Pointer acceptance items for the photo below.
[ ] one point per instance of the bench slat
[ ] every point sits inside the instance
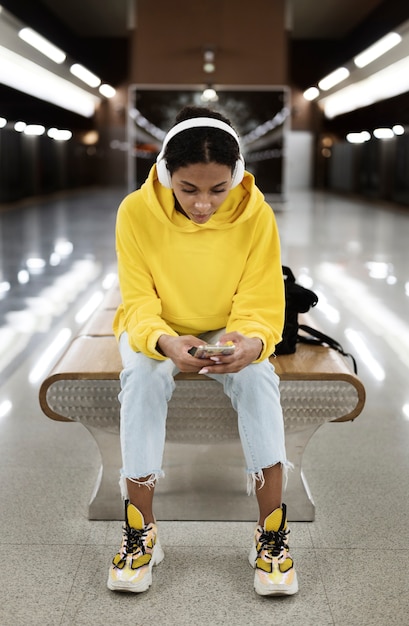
(98, 358)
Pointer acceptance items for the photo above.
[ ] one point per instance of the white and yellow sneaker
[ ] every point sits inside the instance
(275, 574)
(131, 568)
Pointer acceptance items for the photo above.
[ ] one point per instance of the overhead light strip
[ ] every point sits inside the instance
(41, 44)
(370, 54)
(379, 48)
(336, 77)
(387, 83)
(14, 36)
(24, 75)
(85, 75)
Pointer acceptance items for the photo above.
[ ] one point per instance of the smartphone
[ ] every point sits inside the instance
(205, 352)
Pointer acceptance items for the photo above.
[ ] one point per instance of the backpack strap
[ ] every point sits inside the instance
(318, 338)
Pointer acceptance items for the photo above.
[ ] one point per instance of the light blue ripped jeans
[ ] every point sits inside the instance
(146, 388)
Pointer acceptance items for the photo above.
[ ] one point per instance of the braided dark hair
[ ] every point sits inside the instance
(203, 144)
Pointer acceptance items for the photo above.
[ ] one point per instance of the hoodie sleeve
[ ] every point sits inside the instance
(141, 309)
(259, 303)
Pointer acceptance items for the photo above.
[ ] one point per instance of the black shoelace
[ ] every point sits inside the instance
(134, 539)
(273, 541)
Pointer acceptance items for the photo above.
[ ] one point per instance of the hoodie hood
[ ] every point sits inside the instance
(239, 205)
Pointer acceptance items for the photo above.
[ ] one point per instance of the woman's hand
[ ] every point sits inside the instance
(247, 350)
(177, 349)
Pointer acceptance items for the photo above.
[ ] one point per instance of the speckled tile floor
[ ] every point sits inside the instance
(352, 560)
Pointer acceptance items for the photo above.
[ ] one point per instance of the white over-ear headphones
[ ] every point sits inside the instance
(197, 122)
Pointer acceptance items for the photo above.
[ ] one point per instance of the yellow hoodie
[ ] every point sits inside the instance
(177, 277)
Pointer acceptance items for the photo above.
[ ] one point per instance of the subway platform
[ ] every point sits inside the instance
(57, 258)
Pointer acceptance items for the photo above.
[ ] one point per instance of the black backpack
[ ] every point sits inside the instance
(298, 299)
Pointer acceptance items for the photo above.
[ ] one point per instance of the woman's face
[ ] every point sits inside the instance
(201, 188)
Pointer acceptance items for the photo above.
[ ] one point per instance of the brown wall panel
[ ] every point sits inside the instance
(249, 39)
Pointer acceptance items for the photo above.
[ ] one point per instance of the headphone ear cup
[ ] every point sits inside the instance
(238, 172)
(163, 173)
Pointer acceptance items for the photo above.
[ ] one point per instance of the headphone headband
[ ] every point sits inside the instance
(197, 122)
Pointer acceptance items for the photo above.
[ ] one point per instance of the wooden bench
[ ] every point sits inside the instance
(317, 386)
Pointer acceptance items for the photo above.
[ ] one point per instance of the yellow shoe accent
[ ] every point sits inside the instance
(275, 521)
(135, 517)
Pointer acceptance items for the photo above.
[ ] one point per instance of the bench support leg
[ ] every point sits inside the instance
(301, 507)
(106, 502)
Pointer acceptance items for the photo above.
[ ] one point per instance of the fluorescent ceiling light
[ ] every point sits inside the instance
(209, 68)
(28, 77)
(377, 49)
(3, 122)
(42, 45)
(383, 133)
(311, 93)
(398, 129)
(209, 95)
(59, 135)
(107, 91)
(85, 75)
(386, 83)
(337, 76)
(35, 130)
(358, 137)
(20, 126)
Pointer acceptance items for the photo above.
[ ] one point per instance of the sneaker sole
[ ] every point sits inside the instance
(157, 557)
(277, 590)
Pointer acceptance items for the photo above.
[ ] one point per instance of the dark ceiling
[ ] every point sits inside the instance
(95, 32)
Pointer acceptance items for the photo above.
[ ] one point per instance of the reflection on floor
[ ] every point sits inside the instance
(55, 258)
